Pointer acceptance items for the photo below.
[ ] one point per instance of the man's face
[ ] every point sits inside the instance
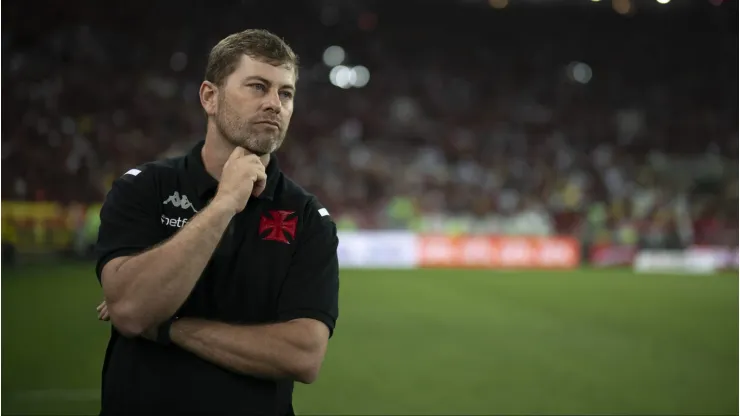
(255, 104)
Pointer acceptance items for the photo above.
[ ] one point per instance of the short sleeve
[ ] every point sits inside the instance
(129, 218)
(311, 289)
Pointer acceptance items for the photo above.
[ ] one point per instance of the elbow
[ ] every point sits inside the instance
(124, 319)
(307, 375)
(307, 368)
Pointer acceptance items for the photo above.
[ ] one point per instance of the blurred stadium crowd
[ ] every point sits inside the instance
(615, 128)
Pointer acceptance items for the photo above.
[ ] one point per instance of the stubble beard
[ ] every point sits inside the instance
(239, 132)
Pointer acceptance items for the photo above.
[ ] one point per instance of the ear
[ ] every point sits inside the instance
(209, 97)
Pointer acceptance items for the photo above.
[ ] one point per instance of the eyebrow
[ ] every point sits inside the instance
(267, 82)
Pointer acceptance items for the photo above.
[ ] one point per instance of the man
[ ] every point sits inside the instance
(219, 273)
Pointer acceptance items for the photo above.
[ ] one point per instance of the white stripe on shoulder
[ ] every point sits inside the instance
(133, 172)
(323, 212)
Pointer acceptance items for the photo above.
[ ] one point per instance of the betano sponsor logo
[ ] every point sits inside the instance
(178, 222)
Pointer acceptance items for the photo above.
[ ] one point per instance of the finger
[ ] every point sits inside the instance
(250, 163)
(256, 173)
(103, 315)
(101, 306)
(258, 189)
(237, 153)
(259, 185)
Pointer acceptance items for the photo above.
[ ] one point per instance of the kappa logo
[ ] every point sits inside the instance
(278, 225)
(179, 202)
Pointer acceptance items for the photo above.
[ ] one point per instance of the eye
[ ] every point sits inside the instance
(259, 87)
(286, 94)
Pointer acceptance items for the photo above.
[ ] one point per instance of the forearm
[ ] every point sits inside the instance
(287, 350)
(149, 288)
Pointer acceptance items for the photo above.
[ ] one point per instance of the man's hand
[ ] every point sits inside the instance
(103, 312)
(243, 175)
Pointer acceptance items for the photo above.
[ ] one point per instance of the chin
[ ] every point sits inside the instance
(263, 147)
(250, 145)
(259, 150)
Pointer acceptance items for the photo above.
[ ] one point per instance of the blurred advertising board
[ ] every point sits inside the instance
(607, 255)
(690, 261)
(402, 249)
(377, 249)
(724, 258)
(498, 252)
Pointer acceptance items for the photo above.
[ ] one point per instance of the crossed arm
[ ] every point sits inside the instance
(293, 349)
(289, 350)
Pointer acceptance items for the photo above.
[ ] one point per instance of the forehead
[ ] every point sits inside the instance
(249, 67)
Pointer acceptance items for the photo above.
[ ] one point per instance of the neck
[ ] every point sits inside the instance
(216, 152)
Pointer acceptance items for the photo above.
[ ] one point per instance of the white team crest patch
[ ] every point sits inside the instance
(323, 212)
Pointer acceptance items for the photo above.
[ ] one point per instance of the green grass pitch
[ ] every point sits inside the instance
(435, 342)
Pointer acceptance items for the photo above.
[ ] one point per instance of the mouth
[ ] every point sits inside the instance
(269, 123)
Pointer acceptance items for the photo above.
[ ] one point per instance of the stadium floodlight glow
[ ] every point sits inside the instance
(334, 55)
(580, 72)
(333, 75)
(595, 1)
(341, 76)
(352, 77)
(345, 77)
(663, 1)
(361, 76)
(622, 6)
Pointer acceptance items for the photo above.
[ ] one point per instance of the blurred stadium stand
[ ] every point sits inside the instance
(614, 122)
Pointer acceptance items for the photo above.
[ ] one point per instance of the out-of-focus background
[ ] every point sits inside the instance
(537, 199)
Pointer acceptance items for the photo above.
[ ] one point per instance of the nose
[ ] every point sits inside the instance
(272, 102)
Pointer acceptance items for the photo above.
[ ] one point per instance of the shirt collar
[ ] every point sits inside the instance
(206, 185)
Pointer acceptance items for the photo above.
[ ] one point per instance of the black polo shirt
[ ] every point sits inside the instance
(277, 261)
